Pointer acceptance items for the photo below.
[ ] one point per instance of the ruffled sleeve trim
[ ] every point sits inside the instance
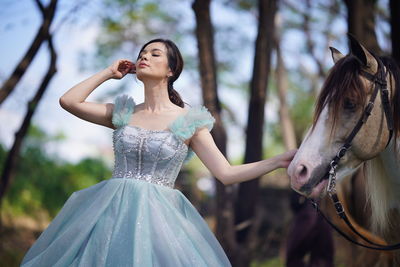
(184, 127)
(124, 106)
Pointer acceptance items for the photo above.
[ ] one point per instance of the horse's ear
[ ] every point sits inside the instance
(336, 55)
(362, 54)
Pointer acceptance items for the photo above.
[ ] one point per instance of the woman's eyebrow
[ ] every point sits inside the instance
(152, 50)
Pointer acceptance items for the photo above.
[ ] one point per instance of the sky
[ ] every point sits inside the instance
(18, 25)
(50, 116)
(21, 22)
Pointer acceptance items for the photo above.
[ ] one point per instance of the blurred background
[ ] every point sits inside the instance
(256, 65)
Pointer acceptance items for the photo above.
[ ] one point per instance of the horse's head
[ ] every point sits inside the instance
(341, 103)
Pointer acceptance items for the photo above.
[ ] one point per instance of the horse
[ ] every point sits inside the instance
(351, 192)
(342, 103)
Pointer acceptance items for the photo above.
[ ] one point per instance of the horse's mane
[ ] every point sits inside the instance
(394, 70)
(380, 194)
(344, 84)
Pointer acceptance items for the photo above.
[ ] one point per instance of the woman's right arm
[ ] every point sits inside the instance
(205, 148)
(74, 99)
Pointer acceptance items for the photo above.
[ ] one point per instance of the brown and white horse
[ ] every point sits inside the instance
(340, 105)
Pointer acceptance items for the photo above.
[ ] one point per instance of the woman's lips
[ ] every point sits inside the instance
(142, 65)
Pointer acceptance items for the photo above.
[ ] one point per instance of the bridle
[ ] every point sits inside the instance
(379, 80)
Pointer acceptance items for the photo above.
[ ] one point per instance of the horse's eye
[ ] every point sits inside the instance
(349, 105)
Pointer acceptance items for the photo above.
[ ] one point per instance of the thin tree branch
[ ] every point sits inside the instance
(9, 170)
(40, 6)
(42, 35)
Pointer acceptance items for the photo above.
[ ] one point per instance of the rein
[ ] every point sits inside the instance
(379, 80)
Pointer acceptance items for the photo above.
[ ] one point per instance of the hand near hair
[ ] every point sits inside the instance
(121, 67)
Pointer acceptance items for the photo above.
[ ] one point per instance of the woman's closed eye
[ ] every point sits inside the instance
(154, 55)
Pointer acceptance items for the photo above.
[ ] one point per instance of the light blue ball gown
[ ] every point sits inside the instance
(135, 218)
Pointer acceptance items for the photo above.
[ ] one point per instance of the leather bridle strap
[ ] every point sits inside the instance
(367, 112)
(379, 80)
(343, 216)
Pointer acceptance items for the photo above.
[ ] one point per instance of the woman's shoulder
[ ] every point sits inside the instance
(200, 116)
(124, 106)
(123, 99)
(191, 120)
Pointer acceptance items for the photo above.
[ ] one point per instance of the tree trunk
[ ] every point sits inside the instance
(307, 26)
(41, 36)
(310, 45)
(395, 29)
(208, 74)
(287, 129)
(11, 161)
(247, 202)
(361, 22)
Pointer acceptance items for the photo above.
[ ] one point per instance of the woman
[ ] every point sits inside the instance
(136, 218)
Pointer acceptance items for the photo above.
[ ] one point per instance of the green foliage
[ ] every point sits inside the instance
(43, 183)
(301, 104)
(128, 24)
(274, 262)
(3, 155)
(300, 101)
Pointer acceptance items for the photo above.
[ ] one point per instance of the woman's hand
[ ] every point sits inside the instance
(74, 100)
(121, 67)
(284, 159)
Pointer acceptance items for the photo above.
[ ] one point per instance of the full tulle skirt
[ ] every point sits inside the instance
(126, 222)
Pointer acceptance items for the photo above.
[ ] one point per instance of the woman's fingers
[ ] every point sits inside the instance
(132, 68)
(291, 153)
(126, 66)
(121, 67)
(287, 157)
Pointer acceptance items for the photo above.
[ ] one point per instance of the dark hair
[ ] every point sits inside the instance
(175, 63)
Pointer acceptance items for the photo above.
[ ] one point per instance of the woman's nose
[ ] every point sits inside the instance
(144, 57)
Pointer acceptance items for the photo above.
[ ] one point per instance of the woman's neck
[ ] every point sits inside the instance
(156, 98)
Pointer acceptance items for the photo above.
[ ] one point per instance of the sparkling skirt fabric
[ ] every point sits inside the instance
(127, 222)
(135, 218)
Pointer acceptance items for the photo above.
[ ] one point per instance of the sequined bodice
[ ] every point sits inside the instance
(153, 156)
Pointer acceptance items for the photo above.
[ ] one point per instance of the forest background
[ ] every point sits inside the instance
(256, 65)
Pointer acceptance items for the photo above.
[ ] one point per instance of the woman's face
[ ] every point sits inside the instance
(152, 63)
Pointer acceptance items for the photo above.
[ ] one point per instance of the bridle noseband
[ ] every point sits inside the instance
(379, 80)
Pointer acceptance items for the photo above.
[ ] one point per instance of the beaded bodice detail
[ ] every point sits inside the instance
(155, 156)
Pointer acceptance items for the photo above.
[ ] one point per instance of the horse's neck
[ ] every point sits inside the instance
(391, 162)
(383, 185)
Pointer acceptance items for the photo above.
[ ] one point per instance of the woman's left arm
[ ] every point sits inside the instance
(205, 148)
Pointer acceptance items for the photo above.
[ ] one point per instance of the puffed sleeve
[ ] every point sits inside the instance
(124, 105)
(186, 126)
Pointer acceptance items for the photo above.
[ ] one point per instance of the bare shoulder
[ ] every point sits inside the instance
(182, 111)
(139, 107)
